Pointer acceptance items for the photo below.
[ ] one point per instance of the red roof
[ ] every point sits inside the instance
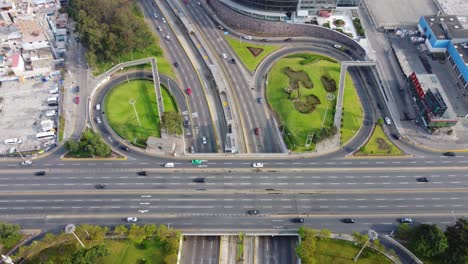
(15, 59)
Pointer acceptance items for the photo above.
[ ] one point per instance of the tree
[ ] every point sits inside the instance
(404, 231)
(325, 233)
(87, 255)
(8, 230)
(457, 238)
(137, 234)
(171, 122)
(429, 241)
(169, 259)
(305, 232)
(360, 238)
(120, 230)
(92, 233)
(72, 145)
(306, 250)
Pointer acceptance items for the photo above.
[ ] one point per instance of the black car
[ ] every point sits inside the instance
(142, 173)
(201, 180)
(395, 136)
(100, 186)
(297, 220)
(176, 64)
(220, 27)
(252, 212)
(124, 148)
(233, 61)
(348, 52)
(40, 173)
(77, 89)
(288, 39)
(348, 221)
(422, 179)
(449, 154)
(264, 40)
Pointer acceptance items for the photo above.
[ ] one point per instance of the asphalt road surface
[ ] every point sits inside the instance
(277, 249)
(200, 250)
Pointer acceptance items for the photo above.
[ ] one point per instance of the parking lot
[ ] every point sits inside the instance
(24, 106)
(399, 13)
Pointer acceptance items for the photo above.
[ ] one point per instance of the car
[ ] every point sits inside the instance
(40, 173)
(176, 64)
(199, 180)
(168, 37)
(100, 186)
(220, 27)
(197, 162)
(336, 46)
(163, 20)
(406, 220)
(257, 165)
(260, 100)
(257, 131)
(132, 219)
(449, 154)
(348, 220)
(388, 121)
(189, 91)
(186, 123)
(155, 16)
(26, 162)
(159, 28)
(77, 89)
(142, 173)
(252, 212)
(379, 106)
(248, 37)
(395, 136)
(54, 90)
(297, 220)
(98, 107)
(233, 61)
(422, 179)
(224, 55)
(124, 148)
(347, 51)
(204, 140)
(264, 40)
(98, 120)
(77, 100)
(288, 39)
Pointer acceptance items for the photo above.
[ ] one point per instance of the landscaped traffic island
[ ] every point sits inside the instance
(302, 91)
(132, 112)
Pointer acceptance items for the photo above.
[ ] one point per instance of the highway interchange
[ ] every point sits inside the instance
(321, 189)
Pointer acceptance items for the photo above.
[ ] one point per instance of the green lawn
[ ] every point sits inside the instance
(124, 251)
(9, 243)
(342, 252)
(352, 111)
(249, 60)
(299, 125)
(120, 252)
(379, 145)
(121, 115)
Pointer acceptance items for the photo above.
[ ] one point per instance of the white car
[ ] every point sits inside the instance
(132, 219)
(26, 162)
(224, 55)
(406, 220)
(388, 121)
(168, 37)
(155, 16)
(257, 165)
(337, 46)
(163, 20)
(204, 140)
(159, 28)
(98, 120)
(248, 37)
(98, 107)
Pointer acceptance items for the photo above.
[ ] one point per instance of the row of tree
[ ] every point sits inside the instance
(109, 28)
(90, 144)
(93, 237)
(308, 245)
(430, 241)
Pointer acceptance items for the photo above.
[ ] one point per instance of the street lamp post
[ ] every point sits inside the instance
(70, 229)
(372, 236)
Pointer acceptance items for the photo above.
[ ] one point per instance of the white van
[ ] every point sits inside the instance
(51, 113)
(169, 165)
(11, 141)
(98, 107)
(52, 99)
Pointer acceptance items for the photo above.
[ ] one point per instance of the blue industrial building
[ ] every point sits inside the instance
(445, 34)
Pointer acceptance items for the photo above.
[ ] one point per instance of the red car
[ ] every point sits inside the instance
(257, 131)
(189, 91)
(77, 100)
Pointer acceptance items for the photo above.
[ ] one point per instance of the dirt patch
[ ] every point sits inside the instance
(295, 77)
(308, 105)
(328, 83)
(382, 145)
(255, 51)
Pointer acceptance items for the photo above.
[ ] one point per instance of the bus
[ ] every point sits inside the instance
(45, 135)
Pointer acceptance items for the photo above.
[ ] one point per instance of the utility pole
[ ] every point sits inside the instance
(372, 236)
(70, 229)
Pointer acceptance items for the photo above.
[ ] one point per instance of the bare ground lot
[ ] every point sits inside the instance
(23, 107)
(399, 13)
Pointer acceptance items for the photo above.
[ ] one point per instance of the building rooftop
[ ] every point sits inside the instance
(431, 82)
(447, 27)
(463, 50)
(31, 31)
